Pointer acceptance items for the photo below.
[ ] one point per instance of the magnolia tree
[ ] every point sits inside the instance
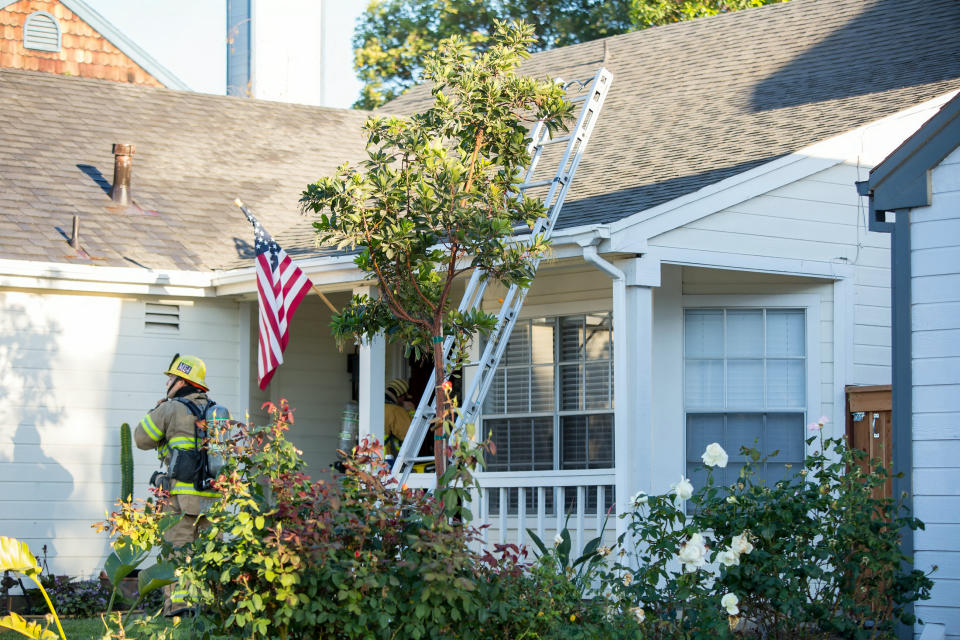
(436, 199)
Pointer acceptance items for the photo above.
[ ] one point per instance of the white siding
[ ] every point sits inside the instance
(72, 369)
(313, 379)
(935, 310)
(817, 218)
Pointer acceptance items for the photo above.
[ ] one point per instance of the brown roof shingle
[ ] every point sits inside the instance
(195, 154)
(696, 102)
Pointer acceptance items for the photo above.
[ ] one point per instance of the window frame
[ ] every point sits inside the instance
(555, 313)
(809, 302)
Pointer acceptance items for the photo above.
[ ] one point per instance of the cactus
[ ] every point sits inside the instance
(126, 463)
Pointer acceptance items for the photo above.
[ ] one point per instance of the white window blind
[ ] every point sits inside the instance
(550, 405)
(745, 385)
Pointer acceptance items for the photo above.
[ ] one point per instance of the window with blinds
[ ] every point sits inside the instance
(550, 405)
(745, 385)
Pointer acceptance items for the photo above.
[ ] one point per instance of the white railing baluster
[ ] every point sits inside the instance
(485, 514)
(541, 510)
(601, 501)
(570, 493)
(504, 505)
(521, 515)
(559, 507)
(581, 507)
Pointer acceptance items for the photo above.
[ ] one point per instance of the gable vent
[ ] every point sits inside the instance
(161, 318)
(41, 32)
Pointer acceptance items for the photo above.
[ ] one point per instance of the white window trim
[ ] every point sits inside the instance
(810, 302)
(555, 310)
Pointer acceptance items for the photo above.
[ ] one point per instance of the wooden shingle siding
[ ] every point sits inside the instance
(83, 52)
(72, 369)
(935, 307)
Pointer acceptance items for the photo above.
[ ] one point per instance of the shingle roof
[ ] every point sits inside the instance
(696, 102)
(691, 104)
(195, 153)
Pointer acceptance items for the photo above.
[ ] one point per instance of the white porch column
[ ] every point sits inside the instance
(633, 378)
(372, 361)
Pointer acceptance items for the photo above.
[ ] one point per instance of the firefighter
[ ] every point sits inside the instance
(396, 416)
(170, 428)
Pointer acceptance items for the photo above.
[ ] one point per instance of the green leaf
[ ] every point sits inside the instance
(29, 629)
(155, 577)
(123, 560)
(16, 556)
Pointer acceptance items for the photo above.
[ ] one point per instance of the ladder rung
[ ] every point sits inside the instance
(544, 143)
(419, 459)
(542, 183)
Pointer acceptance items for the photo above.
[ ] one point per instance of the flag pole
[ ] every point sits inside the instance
(249, 215)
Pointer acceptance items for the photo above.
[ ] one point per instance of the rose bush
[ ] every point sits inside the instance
(812, 556)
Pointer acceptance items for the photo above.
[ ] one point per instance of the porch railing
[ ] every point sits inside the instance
(509, 503)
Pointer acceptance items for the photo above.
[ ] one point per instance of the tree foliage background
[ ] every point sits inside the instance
(436, 199)
(394, 36)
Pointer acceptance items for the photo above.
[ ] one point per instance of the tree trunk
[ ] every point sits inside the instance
(441, 405)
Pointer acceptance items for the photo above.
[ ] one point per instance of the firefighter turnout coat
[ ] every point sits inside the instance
(171, 425)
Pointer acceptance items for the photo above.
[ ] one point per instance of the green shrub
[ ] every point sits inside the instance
(289, 556)
(814, 556)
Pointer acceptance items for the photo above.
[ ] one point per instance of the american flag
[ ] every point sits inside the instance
(281, 285)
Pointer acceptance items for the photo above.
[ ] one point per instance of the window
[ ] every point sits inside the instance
(745, 373)
(41, 32)
(550, 404)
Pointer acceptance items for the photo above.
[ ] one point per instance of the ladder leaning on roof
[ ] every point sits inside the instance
(590, 97)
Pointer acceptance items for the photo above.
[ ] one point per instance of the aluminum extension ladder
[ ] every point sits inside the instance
(590, 96)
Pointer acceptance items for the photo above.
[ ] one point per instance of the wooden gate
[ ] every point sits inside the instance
(870, 426)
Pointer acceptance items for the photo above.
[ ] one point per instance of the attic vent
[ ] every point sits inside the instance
(161, 318)
(41, 32)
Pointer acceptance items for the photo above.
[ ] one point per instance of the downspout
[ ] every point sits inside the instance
(621, 381)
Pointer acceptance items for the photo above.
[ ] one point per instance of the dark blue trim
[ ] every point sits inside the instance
(900, 285)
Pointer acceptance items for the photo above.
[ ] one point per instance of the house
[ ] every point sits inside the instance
(914, 195)
(69, 37)
(712, 270)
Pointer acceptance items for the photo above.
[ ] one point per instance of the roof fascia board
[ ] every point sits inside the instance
(903, 180)
(89, 15)
(56, 276)
(636, 229)
(759, 264)
(339, 272)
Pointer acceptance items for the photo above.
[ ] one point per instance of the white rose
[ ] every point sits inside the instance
(693, 552)
(638, 499)
(714, 456)
(729, 557)
(683, 489)
(741, 544)
(557, 540)
(729, 602)
(638, 614)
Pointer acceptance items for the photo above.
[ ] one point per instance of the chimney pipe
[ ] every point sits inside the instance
(122, 168)
(75, 238)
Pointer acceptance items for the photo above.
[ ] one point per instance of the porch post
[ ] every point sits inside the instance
(372, 361)
(633, 378)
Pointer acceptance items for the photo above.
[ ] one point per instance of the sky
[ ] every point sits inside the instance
(188, 37)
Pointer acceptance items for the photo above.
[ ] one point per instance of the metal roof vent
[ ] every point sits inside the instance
(122, 167)
(41, 32)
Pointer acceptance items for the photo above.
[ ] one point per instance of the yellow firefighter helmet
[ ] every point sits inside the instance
(190, 368)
